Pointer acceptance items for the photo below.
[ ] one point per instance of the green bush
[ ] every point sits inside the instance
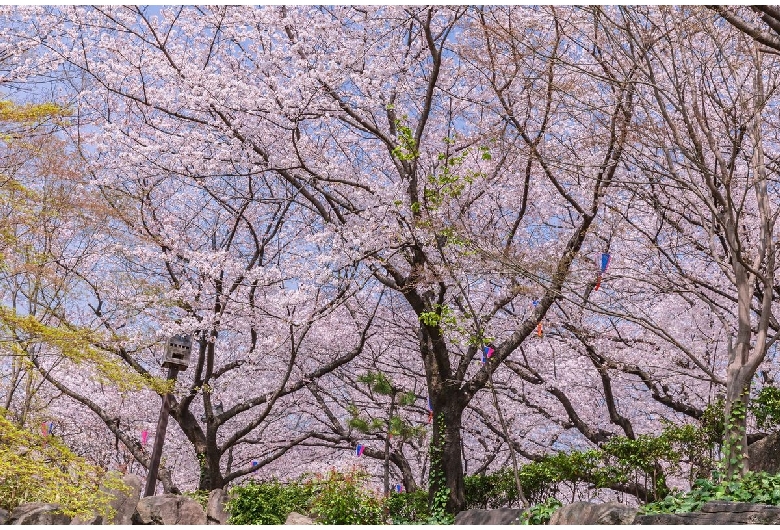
(408, 508)
(42, 468)
(647, 459)
(760, 488)
(266, 502)
(495, 490)
(541, 513)
(200, 496)
(332, 498)
(340, 498)
(766, 408)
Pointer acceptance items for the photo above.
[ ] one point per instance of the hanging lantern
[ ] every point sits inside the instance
(605, 259)
(178, 351)
(487, 353)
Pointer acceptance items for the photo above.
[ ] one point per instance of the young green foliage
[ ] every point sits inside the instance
(759, 488)
(380, 384)
(38, 468)
(406, 150)
(77, 345)
(766, 408)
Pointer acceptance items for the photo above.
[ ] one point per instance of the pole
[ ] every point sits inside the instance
(159, 437)
(518, 484)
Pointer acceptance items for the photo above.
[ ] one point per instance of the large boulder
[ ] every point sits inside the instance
(718, 513)
(296, 518)
(764, 455)
(215, 510)
(169, 509)
(124, 502)
(481, 517)
(38, 513)
(3, 516)
(590, 513)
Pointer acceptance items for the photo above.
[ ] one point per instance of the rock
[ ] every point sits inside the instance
(498, 516)
(124, 502)
(764, 455)
(215, 511)
(296, 518)
(190, 512)
(718, 513)
(590, 513)
(95, 519)
(38, 513)
(168, 509)
(3, 516)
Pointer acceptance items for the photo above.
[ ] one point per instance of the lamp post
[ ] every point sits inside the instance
(177, 357)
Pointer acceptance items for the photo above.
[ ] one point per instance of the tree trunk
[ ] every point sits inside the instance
(403, 466)
(735, 444)
(211, 477)
(751, 347)
(446, 471)
(387, 445)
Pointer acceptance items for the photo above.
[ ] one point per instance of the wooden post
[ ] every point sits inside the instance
(159, 437)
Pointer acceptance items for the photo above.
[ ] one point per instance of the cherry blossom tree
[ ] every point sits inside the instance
(381, 139)
(221, 251)
(320, 195)
(703, 201)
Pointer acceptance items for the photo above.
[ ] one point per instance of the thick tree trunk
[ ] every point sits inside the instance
(446, 471)
(211, 477)
(735, 454)
(204, 441)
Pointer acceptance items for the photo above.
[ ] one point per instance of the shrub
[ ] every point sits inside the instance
(37, 468)
(266, 502)
(621, 460)
(200, 496)
(761, 488)
(408, 508)
(333, 498)
(340, 498)
(541, 513)
(766, 408)
(495, 490)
